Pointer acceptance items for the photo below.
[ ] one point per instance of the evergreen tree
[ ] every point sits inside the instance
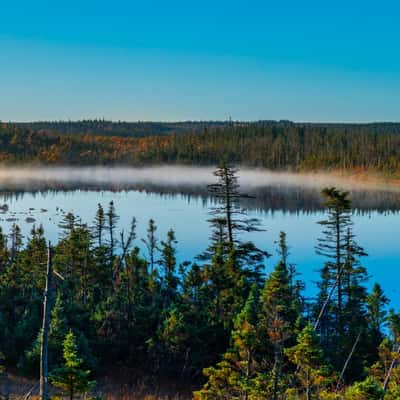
(173, 336)
(67, 224)
(233, 377)
(58, 329)
(333, 244)
(151, 243)
(354, 335)
(99, 225)
(168, 263)
(340, 308)
(15, 241)
(368, 389)
(278, 321)
(311, 371)
(228, 212)
(4, 254)
(112, 220)
(72, 378)
(377, 314)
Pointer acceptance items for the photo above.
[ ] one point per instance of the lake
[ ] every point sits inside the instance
(176, 197)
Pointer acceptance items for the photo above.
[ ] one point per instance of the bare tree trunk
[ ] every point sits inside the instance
(323, 308)
(45, 328)
(276, 372)
(339, 268)
(347, 361)
(392, 365)
(228, 208)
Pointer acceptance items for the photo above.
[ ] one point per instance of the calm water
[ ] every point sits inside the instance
(294, 208)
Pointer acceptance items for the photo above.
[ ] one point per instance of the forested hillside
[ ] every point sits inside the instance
(228, 322)
(282, 145)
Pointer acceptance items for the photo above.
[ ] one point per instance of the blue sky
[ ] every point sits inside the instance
(177, 60)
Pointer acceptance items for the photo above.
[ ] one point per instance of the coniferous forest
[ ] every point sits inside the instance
(275, 145)
(226, 325)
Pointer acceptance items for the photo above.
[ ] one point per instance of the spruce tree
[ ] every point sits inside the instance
(15, 241)
(4, 253)
(99, 225)
(72, 378)
(112, 219)
(311, 370)
(333, 243)
(279, 315)
(67, 224)
(151, 243)
(168, 263)
(229, 217)
(234, 376)
(368, 389)
(340, 308)
(377, 314)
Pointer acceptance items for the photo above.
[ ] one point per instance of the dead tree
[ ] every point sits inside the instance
(45, 328)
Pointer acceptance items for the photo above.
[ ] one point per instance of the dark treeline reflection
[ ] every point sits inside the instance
(270, 198)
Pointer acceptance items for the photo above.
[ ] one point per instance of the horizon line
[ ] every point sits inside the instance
(200, 121)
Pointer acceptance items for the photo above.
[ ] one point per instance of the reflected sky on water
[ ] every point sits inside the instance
(293, 208)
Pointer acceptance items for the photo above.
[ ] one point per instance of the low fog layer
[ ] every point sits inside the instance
(123, 177)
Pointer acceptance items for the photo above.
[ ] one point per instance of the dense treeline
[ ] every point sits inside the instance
(103, 127)
(281, 145)
(246, 325)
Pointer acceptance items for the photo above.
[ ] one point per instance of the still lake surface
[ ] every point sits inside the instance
(177, 198)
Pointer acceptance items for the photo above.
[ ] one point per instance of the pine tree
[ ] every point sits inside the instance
(72, 259)
(58, 329)
(392, 374)
(233, 377)
(4, 253)
(218, 240)
(340, 308)
(15, 241)
(333, 244)
(377, 314)
(151, 243)
(168, 263)
(99, 225)
(173, 336)
(229, 212)
(72, 378)
(368, 389)
(112, 220)
(67, 224)
(311, 370)
(278, 320)
(354, 335)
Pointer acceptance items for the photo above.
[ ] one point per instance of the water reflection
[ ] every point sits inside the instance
(290, 206)
(270, 198)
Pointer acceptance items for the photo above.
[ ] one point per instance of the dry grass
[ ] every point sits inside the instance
(124, 385)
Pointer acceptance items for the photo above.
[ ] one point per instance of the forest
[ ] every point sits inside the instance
(103, 127)
(226, 325)
(274, 145)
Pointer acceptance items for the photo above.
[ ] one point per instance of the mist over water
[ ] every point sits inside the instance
(118, 176)
(177, 197)
(25, 177)
(272, 190)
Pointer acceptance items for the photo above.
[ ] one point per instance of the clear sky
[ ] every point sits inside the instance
(177, 60)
